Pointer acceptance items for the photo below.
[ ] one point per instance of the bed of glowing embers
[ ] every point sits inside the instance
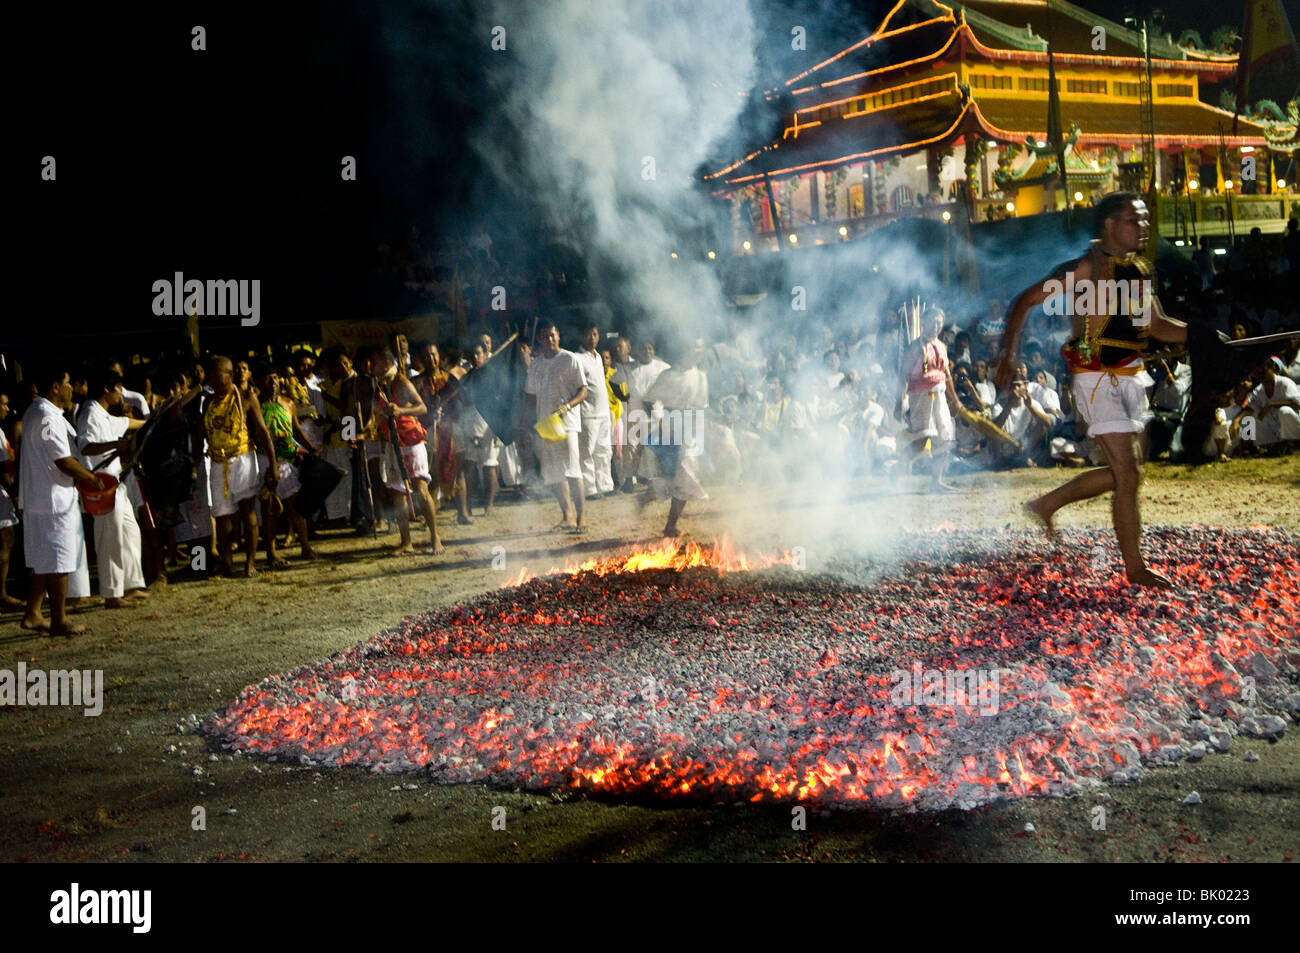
(972, 666)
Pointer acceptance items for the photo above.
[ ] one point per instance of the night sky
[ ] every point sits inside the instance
(226, 163)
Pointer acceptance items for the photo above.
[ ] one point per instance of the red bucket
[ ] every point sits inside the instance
(98, 502)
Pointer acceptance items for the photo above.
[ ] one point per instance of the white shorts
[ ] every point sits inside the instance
(289, 484)
(560, 459)
(928, 416)
(54, 542)
(232, 481)
(1109, 403)
(416, 459)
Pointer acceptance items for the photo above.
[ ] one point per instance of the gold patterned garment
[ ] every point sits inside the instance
(226, 425)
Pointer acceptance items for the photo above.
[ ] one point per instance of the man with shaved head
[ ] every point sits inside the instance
(233, 427)
(1114, 312)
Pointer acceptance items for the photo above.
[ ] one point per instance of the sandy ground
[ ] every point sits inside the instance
(123, 785)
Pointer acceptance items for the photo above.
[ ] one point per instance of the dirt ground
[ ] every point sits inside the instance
(124, 786)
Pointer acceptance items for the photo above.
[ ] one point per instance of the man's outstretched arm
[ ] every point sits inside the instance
(1029, 299)
(1165, 328)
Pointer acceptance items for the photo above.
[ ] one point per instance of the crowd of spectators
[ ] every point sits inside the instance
(593, 411)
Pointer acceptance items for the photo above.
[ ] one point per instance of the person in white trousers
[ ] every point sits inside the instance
(101, 435)
(595, 447)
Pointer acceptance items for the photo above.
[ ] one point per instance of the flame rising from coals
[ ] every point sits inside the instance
(670, 554)
(783, 686)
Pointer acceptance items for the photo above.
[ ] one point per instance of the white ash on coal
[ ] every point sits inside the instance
(981, 666)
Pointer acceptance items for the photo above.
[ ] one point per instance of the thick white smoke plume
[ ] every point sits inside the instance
(611, 108)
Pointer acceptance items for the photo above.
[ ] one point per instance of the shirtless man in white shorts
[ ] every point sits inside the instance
(1105, 356)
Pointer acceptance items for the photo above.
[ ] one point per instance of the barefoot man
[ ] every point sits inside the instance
(234, 430)
(396, 398)
(930, 391)
(1108, 293)
(53, 540)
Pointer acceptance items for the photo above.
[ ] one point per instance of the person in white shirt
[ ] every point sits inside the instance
(595, 448)
(556, 382)
(1275, 402)
(1225, 434)
(53, 540)
(1291, 353)
(683, 392)
(100, 440)
(1045, 395)
(878, 441)
(643, 414)
(135, 401)
(1025, 422)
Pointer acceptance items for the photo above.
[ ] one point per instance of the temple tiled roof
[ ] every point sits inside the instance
(1188, 122)
(903, 128)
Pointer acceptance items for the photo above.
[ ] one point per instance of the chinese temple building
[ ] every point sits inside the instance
(945, 107)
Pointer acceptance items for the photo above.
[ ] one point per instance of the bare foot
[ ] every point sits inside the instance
(308, 554)
(136, 594)
(9, 602)
(250, 571)
(277, 562)
(1145, 577)
(1039, 512)
(464, 520)
(437, 548)
(35, 624)
(67, 631)
(671, 532)
(404, 550)
(487, 511)
(940, 487)
(114, 603)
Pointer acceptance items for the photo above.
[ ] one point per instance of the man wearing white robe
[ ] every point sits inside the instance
(53, 540)
(595, 449)
(117, 534)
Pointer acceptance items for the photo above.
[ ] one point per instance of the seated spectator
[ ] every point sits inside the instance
(1036, 359)
(1225, 434)
(1026, 423)
(1042, 390)
(1275, 402)
(879, 434)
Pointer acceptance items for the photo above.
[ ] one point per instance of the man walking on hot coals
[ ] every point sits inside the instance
(1108, 380)
(683, 390)
(929, 390)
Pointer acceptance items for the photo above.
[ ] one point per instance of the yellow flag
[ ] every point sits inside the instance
(1268, 65)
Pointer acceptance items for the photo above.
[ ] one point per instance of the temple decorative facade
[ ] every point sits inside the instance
(945, 107)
